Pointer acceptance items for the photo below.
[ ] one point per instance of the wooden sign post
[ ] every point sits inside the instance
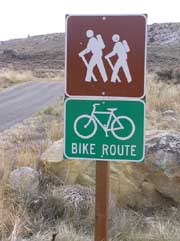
(102, 200)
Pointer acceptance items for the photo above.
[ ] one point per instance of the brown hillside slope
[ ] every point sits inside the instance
(44, 54)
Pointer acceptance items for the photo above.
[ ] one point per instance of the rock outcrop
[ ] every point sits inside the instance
(153, 183)
(163, 152)
(164, 33)
(53, 164)
(25, 181)
(133, 186)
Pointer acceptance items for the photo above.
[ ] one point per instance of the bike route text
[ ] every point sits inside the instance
(105, 150)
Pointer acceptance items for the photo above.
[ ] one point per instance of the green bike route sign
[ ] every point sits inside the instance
(104, 129)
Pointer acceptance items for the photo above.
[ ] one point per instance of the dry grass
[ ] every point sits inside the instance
(26, 144)
(11, 77)
(67, 233)
(59, 76)
(55, 130)
(13, 217)
(129, 225)
(63, 233)
(162, 97)
(16, 219)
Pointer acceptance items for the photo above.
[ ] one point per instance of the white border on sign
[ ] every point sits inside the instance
(145, 56)
(98, 159)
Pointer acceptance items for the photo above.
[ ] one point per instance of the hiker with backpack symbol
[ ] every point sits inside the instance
(95, 46)
(120, 49)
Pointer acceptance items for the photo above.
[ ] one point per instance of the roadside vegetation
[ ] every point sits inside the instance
(44, 218)
(163, 104)
(10, 77)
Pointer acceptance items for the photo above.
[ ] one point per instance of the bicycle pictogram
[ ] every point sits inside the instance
(121, 127)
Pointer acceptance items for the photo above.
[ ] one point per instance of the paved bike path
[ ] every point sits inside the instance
(21, 101)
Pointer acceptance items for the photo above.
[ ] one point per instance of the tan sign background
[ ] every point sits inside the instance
(130, 28)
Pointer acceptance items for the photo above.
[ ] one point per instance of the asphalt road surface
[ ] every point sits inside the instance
(21, 101)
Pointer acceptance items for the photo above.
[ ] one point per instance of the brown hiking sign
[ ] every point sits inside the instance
(105, 55)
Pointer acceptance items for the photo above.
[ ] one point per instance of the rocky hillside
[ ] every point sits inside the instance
(164, 34)
(43, 54)
(35, 44)
(158, 34)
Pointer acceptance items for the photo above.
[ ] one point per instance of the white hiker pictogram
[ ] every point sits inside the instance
(85, 126)
(95, 46)
(120, 49)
